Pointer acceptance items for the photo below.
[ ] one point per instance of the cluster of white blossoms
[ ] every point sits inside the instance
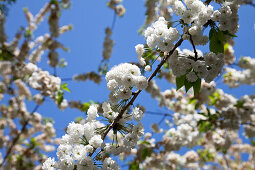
(233, 112)
(45, 42)
(26, 135)
(125, 143)
(74, 146)
(22, 89)
(234, 116)
(150, 11)
(110, 114)
(227, 16)
(139, 51)
(234, 77)
(194, 11)
(208, 66)
(42, 80)
(197, 14)
(84, 138)
(219, 138)
(108, 44)
(30, 68)
(118, 8)
(186, 133)
(40, 133)
(172, 160)
(46, 83)
(41, 43)
(160, 36)
(121, 79)
(53, 20)
(93, 76)
(229, 57)
(178, 101)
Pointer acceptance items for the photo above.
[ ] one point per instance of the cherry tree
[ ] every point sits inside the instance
(204, 119)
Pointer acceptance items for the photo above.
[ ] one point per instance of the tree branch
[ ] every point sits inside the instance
(66, 79)
(158, 113)
(193, 45)
(109, 127)
(207, 2)
(114, 20)
(248, 123)
(251, 4)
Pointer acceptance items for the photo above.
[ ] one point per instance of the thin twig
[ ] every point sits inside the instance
(113, 20)
(163, 118)
(55, 71)
(66, 79)
(251, 4)
(227, 163)
(193, 45)
(248, 123)
(158, 113)
(207, 2)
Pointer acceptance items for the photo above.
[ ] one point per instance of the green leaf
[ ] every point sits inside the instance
(78, 119)
(62, 63)
(212, 33)
(206, 155)
(20, 161)
(226, 45)
(197, 106)
(188, 85)
(166, 65)
(253, 142)
(85, 107)
(60, 97)
(217, 41)
(28, 33)
(192, 101)
(46, 120)
(64, 87)
(214, 98)
(239, 104)
(5, 55)
(134, 166)
(204, 126)
(144, 142)
(146, 152)
(229, 34)
(197, 86)
(180, 81)
(224, 151)
(33, 143)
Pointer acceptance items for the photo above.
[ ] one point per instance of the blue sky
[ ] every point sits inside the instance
(85, 41)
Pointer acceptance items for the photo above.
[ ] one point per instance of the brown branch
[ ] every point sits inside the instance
(139, 91)
(158, 113)
(109, 127)
(162, 119)
(248, 123)
(226, 161)
(193, 45)
(251, 4)
(207, 2)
